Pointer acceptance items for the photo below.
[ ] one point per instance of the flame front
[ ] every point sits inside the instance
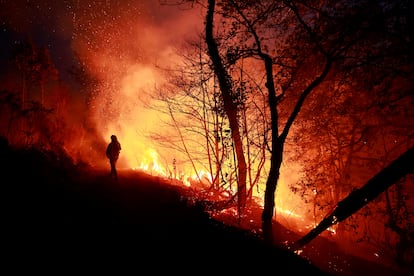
(124, 56)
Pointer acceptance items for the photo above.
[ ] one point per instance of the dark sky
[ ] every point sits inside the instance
(120, 43)
(70, 26)
(37, 21)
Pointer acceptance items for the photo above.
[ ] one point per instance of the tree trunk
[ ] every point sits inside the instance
(276, 154)
(269, 197)
(357, 199)
(230, 108)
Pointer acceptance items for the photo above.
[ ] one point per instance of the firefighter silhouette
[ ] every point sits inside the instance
(112, 152)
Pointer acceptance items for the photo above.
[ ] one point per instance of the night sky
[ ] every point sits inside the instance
(122, 45)
(118, 43)
(136, 28)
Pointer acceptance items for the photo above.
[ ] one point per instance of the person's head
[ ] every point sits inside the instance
(113, 138)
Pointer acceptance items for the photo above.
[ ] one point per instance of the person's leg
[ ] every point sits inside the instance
(113, 170)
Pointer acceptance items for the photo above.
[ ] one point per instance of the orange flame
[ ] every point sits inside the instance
(128, 76)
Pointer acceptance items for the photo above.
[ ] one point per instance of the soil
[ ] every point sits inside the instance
(64, 220)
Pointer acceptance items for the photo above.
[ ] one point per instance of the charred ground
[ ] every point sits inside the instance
(61, 217)
(64, 218)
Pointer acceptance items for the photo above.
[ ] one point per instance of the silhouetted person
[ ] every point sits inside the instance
(112, 152)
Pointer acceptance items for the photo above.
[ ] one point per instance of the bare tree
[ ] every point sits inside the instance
(321, 44)
(230, 108)
(302, 48)
(388, 176)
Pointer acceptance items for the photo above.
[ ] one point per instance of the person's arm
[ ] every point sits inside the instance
(108, 150)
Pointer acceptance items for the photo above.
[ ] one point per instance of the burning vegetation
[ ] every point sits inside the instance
(285, 106)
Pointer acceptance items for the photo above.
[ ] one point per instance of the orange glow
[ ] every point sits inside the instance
(124, 55)
(92, 69)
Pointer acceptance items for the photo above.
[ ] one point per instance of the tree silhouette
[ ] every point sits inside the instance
(357, 199)
(313, 46)
(230, 108)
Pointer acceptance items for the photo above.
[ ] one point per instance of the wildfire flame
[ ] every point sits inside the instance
(127, 69)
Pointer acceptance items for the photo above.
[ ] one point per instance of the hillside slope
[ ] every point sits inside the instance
(61, 218)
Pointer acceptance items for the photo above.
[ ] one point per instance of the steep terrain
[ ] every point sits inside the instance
(63, 218)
